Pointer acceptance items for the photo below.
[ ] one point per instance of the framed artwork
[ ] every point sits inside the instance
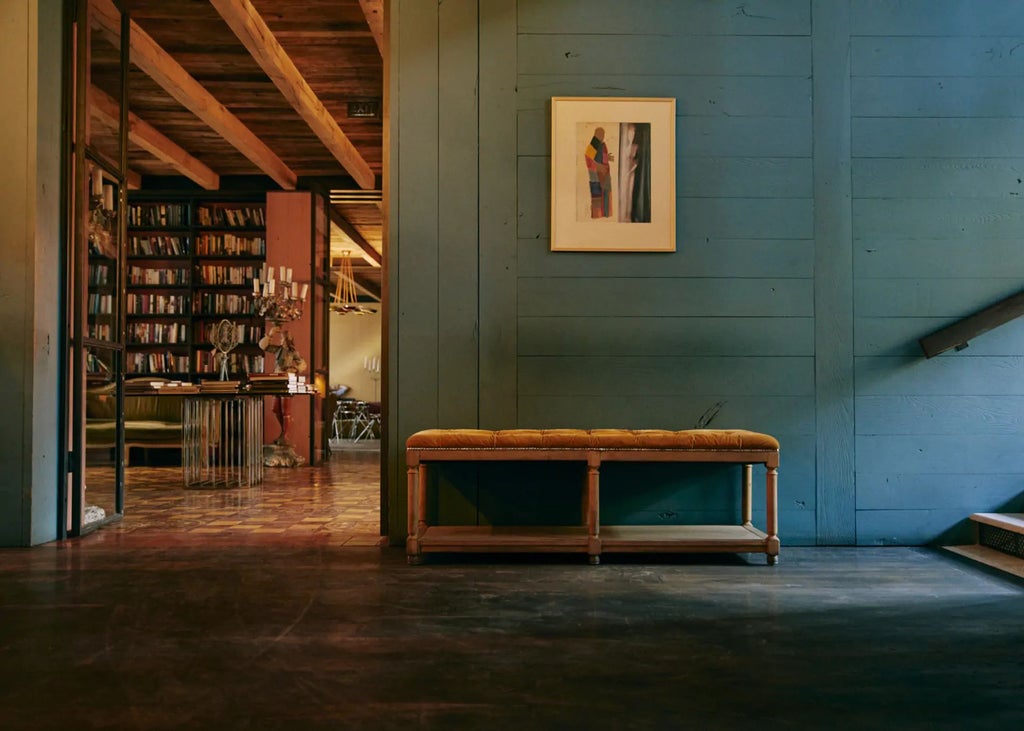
(613, 174)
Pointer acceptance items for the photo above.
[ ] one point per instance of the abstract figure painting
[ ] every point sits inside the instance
(612, 174)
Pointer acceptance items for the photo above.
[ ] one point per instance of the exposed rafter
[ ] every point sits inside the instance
(143, 134)
(374, 12)
(254, 34)
(357, 238)
(176, 81)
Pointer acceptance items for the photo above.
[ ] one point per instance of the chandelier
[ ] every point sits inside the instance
(346, 299)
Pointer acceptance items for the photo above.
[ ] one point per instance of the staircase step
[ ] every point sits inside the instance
(1013, 522)
(991, 557)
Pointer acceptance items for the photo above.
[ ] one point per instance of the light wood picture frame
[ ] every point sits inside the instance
(613, 180)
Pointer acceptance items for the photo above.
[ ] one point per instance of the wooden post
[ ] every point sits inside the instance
(412, 543)
(748, 510)
(593, 508)
(772, 518)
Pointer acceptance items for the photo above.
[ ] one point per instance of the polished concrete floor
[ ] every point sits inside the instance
(156, 629)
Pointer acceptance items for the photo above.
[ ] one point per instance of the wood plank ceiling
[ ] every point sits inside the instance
(333, 48)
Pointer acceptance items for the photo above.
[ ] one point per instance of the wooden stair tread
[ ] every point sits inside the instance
(990, 557)
(1013, 522)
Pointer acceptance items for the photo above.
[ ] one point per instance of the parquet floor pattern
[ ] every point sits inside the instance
(336, 503)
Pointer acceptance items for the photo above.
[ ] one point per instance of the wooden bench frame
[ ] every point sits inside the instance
(591, 537)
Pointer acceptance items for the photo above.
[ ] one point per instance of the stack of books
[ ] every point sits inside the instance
(208, 386)
(268, 382)
(138, 386)
(297, 384)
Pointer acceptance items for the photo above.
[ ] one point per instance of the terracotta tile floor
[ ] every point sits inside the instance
(336, 503)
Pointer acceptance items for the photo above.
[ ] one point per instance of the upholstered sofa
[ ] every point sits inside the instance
(150, 421)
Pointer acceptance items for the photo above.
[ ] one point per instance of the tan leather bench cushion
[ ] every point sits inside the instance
(697, 439)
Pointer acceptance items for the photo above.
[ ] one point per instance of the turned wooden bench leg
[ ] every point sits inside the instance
(748, 509)
(772, 515)
(417, 509)
(592, 507)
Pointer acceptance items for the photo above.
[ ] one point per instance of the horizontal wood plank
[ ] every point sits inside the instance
(947, 415)
(663, 297)
(696, 257)
(712, 96)
(963, 492)
(681, 538)
(937, 96)
(899, 336)
(785, 417)
(912, 527)
(938, 258)
(939, 178)
(935, 18)
(938, 138)
(951, 54)
(651, 17)
(996, 454)
(959, 374)
(554, 53)
(956, 218)
(697, 218)
(952, 298)
(646, 376)
(666, 336)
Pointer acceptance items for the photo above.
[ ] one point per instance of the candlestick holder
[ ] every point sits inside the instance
(280, 301)
(372, 366)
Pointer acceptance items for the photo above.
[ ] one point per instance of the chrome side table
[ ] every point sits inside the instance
(222, 440)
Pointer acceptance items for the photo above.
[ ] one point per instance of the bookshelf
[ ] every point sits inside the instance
(190, 264)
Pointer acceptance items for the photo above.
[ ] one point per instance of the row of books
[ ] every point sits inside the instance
(244, 333)
(157, 332)
(230, 245)
(157, 304)
(157, 246)
(242, 216)
(163, 275)
(157, 214)
(247, 363)
(101, 304)
(99, 274)
(166, 362)
(230, 275)
(229, 304)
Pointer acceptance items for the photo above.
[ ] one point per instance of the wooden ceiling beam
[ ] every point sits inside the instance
(374, 12)
(254, 34)
(132, 179)
(150, 139)
(176, 81)
(357, 238)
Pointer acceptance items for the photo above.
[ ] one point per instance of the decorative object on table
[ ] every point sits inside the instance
(224, 337)
(613, 174)
(102, 216)
(372, 366)
(346, 298)
(280, 301)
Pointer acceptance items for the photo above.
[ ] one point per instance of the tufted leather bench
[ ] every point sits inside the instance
(594, 446)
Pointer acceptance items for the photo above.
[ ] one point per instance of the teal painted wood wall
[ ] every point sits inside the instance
(847, 182)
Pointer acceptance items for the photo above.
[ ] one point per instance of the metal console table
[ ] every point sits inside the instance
(222, 439)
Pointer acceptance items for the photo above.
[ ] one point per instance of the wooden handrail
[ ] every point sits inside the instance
(959, 333)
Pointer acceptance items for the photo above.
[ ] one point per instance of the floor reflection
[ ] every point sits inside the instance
(337, 502)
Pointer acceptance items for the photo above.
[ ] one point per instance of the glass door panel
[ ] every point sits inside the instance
(94, 275)
(101, 497)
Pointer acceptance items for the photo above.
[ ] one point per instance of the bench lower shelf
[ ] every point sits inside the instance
(612, 539)
(462, 538)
